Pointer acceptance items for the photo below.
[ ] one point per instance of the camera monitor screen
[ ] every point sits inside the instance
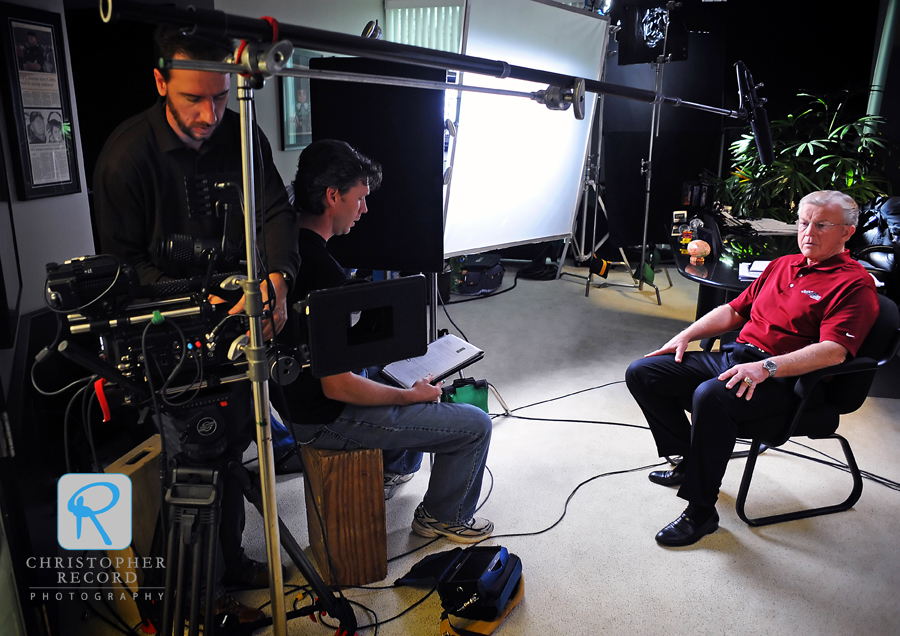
(367, 324)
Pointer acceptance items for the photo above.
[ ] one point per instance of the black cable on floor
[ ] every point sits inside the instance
(556, 419)
(490, 490)
(569, 498)
(560, 397)
(403, 613)
(447, 313)
(366, 609)
(836, 463)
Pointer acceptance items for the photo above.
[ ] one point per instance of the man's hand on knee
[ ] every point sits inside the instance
(747, 375)
(677, 345)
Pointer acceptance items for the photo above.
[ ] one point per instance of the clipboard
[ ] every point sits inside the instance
(445, 356)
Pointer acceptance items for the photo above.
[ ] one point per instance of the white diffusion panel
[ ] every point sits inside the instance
(518, 166)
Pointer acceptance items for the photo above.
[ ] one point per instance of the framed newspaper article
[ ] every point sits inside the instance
(39, 113)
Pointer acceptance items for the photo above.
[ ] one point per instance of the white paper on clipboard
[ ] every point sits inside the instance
(445, 356)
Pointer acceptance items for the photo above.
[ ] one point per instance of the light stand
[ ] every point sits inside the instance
(261, 62)
(258, 370)
(647, 171)
(580, 253)
(647, 166)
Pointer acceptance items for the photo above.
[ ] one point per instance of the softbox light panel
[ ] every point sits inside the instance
(519, 166)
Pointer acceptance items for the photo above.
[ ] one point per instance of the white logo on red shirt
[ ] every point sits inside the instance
(811, 294)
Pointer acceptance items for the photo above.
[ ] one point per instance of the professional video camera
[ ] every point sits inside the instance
(165, 343)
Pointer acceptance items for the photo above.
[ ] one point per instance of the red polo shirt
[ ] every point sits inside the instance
(792, 304)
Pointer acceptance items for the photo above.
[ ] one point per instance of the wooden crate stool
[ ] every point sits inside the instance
(348, 487)
(141, 464)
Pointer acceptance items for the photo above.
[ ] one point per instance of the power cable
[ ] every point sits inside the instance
(569, 498)
(447, 313)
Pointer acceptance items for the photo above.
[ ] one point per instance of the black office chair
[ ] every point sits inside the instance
(876, 243)
(845, 393)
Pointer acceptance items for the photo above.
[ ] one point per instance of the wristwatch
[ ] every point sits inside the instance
(770, 366)
(286, 277)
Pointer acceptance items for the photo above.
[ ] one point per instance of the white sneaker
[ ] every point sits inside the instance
(392, 480)
(471, 531)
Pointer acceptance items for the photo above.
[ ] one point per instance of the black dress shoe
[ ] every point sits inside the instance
(251, 575)
(227, 604)
(685, 531)
(667, 477)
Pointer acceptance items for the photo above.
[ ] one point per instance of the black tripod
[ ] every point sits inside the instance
(194, 498)
(194, 495)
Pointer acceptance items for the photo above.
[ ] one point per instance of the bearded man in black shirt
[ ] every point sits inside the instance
(140, 199)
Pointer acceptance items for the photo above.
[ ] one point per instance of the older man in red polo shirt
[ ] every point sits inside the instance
(805, 312)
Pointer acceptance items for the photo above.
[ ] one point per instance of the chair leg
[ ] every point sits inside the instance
(741, 500)
(668, 278)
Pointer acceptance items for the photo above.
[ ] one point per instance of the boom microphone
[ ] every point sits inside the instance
(753, 108)
(759, 124)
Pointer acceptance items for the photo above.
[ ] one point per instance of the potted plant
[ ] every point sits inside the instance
(823, 146)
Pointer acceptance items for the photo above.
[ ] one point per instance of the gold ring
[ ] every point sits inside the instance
(748, 381)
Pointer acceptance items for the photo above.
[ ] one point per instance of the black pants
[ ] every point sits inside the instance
(665, 389)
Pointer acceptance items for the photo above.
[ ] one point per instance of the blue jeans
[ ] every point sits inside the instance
(458, 434)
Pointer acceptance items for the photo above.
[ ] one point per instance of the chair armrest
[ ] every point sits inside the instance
(870, 249)
(805, 383)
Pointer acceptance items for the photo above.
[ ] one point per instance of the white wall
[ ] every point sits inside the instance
(343, 16)
(46, 230)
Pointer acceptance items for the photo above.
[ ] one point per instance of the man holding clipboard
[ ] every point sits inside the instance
(349, 411)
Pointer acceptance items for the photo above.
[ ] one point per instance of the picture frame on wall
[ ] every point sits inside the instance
(39, 112)
(295, 107)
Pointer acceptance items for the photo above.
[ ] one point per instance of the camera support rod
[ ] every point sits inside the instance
(218, 23)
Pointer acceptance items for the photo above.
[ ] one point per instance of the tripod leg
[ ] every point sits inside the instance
(211, 572)
(184, 540)
(196, 565)
(169, 599)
